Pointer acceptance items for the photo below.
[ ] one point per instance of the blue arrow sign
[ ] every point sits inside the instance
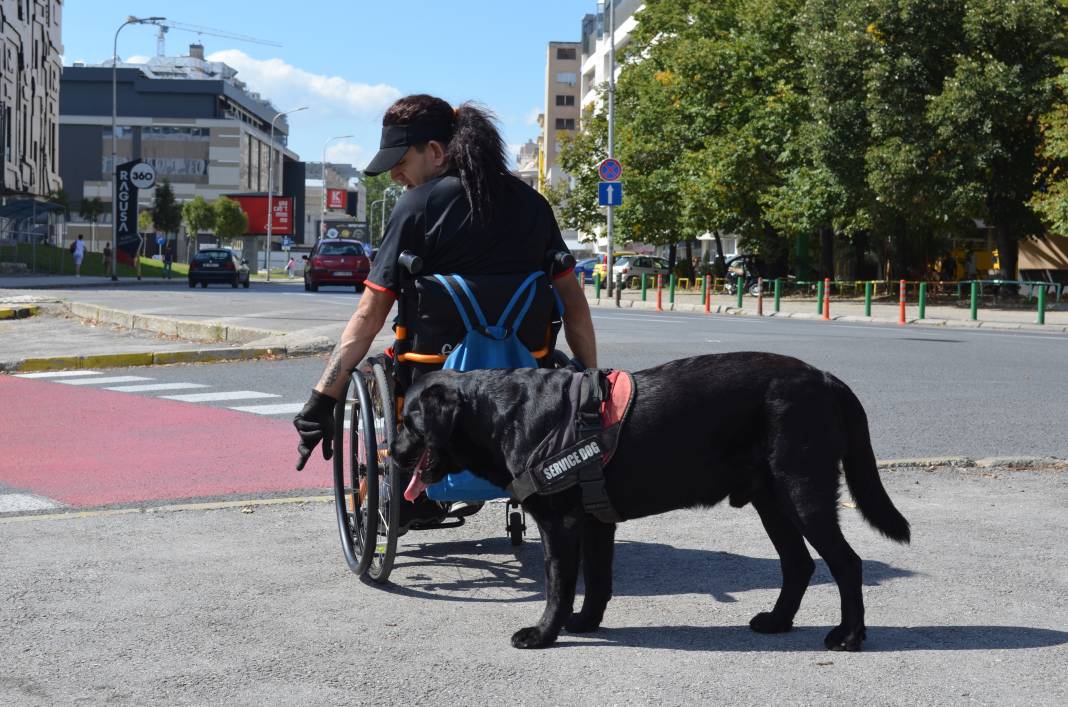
(610, 194)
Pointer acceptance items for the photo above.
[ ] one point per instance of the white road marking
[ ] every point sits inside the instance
(149, 387)
(277, 409)
(228, 395)
(58, 374)
(106, 380)
(14, 502)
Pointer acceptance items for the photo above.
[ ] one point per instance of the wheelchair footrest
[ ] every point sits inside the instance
(447, 523)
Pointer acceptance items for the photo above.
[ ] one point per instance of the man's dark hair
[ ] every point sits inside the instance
(475, 149)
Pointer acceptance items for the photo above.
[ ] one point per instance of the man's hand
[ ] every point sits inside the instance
(315, 423)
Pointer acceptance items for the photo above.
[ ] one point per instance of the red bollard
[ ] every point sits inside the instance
(826, 298)
(660, 293)
(708, 294)
(760, 297)
(901, 301)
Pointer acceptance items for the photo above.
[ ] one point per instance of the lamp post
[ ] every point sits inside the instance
(270, 190)
(371, 218)
(130, 20)
(322, 206)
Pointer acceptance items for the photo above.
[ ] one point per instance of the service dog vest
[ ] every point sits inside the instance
(576, 451)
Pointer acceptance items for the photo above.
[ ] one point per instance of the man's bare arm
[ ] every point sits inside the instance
(363, 327)
(578, 324)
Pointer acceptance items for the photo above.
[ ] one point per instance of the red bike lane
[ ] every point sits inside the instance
(87, 447)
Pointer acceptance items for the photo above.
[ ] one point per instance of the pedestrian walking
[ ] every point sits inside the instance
(168, 260)
(289, 267)
(77, 249)
(107, 260)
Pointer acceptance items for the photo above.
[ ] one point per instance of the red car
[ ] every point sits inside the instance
(335, 261)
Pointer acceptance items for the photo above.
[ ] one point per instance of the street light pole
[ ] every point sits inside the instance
(130, 20)
(611, 132)
(270, 190)
(322, 208)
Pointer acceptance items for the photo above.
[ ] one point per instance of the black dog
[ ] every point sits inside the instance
(760, 428)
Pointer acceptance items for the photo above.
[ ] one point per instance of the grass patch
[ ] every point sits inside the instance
(59, 261)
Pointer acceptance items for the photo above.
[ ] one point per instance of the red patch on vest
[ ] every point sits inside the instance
(620, 388)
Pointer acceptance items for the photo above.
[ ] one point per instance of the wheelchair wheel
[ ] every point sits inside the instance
(365, 482)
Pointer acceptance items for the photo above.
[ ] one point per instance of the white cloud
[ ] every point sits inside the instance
(532, 116)
(285, 85)
(347, 153)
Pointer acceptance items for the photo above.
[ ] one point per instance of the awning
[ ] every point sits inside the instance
(18, 209)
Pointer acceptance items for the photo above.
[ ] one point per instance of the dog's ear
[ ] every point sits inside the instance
(440, 406)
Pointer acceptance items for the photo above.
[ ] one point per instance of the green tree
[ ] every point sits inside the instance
(376, 187)
(144, 222)
(1051, 201)
(198, 216)
(229, 218)
(166, 212)
(91, 210)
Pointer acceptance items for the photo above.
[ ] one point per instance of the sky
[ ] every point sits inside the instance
(347, 60)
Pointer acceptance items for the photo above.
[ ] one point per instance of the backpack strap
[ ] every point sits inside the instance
(527, 286)
(460, 308)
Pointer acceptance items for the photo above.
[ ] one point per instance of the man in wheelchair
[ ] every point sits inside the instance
(461, 213)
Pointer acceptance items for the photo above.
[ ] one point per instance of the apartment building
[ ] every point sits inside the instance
(30, 50)
(527, 162)
(595, 44)
(561, 114)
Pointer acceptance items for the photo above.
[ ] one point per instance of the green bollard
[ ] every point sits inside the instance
(778, 292)
(975, 300)
(1042, 305)
(741, 289)
(819, 297)
(671, 289)
(867, 299)
(644, 287)
(923, 300)
(704, 289)
(597, 285)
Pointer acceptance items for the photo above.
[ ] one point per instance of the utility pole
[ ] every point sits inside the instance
(611, 133)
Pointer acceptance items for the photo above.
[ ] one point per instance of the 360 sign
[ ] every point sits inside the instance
(143, 175)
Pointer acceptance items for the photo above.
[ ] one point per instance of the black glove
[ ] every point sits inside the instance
(314, 423)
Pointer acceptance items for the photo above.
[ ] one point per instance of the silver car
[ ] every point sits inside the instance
(628, 267)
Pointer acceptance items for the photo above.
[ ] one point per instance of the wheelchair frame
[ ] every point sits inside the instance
(367, 486)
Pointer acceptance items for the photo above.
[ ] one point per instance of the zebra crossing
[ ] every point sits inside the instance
(173, 390)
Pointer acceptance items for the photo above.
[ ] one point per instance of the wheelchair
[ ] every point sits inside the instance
(430, 321)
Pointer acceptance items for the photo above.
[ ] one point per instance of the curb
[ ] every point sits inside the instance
(1020, 463)
(150, 358)
(213, 332)
(18, 312)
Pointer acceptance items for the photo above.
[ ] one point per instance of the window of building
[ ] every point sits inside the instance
(565, 52)
(565, 100)
(565, 123)
(567, 77)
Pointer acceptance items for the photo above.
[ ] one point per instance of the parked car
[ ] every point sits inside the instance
(585, 267)
(218, 265)
(630, 266)
(336, 261)
(600, 269)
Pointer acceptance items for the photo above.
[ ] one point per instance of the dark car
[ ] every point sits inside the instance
(218, 265)
(585, 266)
(336, 261)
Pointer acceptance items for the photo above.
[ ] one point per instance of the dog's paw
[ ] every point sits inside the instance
(582, 623)
(767, 622)
(841, 638)
(531, 637)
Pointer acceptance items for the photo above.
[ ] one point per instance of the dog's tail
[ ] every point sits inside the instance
(862, 473)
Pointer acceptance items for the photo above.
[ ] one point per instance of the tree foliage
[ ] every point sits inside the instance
(198, 215)
(230, 220)
(166, 212)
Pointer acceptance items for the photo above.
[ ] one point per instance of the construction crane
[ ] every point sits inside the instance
(167, 25)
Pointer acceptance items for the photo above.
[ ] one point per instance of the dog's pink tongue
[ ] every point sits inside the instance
(415, 487)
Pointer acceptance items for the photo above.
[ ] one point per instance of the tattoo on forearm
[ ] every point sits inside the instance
(333, 368)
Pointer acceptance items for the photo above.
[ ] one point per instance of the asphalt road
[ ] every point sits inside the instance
(257, 607)
(928, 392)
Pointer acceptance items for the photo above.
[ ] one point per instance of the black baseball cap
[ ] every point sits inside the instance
(396, 139)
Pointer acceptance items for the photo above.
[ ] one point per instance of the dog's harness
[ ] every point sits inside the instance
(588, 445)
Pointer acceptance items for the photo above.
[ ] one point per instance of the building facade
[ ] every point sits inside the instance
(561, 115)
(319, 211)
(30, 59)
(527, 163)
(191, 119)
(595, 45)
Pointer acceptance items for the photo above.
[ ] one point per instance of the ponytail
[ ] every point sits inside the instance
(477, 151)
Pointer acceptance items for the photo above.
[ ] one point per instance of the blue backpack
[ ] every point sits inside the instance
(484, 346)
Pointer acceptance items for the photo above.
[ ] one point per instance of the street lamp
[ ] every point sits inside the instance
(322, 209)
(130, 20)
(270, 190)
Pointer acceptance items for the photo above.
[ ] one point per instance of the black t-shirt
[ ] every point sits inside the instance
(434, 221)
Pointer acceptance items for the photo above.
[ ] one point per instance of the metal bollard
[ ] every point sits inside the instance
(619, 288)
(867, 299)
(826, 298)
(597, 286)
(643, 287)
(760, 297)
(708, 294)
(1042, 305)
(740, 282)
(671, 290)
(660, 293)
(901, 302)
(778, 292)
(704, 287)
(819, 296)
(923, 300)
(975, 300)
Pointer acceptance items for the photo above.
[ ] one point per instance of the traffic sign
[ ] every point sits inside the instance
(143, 175)
(610, 193)
(610, 170)
(160, 239)
(331, 233)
